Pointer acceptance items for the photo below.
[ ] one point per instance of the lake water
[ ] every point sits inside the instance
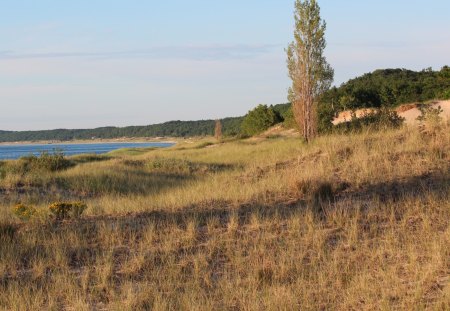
(18, 150)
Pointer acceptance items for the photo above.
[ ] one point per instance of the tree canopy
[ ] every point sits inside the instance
(390, 87)
(259, 119)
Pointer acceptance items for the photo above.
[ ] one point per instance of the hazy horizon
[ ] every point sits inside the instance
(113, 63)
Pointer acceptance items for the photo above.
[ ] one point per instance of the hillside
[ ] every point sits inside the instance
(348, 222)
(390, 87)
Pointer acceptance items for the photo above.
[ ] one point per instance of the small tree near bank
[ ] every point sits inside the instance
(218, 130)
(309, 71)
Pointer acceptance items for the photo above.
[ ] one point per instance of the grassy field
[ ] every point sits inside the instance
(348, 222)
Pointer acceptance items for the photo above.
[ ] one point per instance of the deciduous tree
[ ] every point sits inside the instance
(309, 71)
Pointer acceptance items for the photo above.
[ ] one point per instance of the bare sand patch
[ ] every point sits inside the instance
(409, 111)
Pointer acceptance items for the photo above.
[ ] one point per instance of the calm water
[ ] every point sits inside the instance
(17, 151)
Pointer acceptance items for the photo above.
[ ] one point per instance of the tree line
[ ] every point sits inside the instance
(369, 90)
(231, 127)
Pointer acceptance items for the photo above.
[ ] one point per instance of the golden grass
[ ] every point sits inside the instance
(358, 222)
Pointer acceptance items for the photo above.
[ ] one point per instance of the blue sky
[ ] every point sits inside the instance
(83, 64)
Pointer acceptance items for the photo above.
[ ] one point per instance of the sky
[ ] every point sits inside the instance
(93, 63)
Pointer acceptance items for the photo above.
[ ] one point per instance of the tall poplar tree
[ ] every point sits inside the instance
(309, 71)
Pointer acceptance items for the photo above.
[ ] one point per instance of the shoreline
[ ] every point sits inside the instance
(137, 140)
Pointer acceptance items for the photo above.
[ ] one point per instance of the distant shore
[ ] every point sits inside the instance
(167, 140)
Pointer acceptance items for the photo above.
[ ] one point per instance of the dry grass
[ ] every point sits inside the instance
(356, 222)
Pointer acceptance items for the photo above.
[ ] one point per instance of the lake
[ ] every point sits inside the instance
(19, 150)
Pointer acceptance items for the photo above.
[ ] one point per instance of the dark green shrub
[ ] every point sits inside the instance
(446, 94)
(289, 119)
(325, 116)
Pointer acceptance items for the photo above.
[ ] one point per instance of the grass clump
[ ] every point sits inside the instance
(204, 145)
(182, 166)
(87, 158)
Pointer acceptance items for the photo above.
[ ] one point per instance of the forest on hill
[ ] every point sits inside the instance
(390, 88)
(168, 129)
(381, 88)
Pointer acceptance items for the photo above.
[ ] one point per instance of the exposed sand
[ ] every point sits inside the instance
(346, 116)
(410, 112)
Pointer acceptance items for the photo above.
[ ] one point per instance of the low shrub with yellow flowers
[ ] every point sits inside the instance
(67, 210)
(24, 212)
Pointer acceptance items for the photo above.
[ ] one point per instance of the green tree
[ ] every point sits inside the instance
(289, 119)
(259, 119)
(387, 96)
(309, 71)
(446, 94)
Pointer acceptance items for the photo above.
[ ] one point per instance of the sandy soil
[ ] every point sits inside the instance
(410, 112)
(346, 116)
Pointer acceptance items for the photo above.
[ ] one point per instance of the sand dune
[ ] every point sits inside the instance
(410, 112)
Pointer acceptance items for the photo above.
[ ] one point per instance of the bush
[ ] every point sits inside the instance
(430, 119)
(44, 162)
(24, 212)
(259, 119)
(289, 119)
(430, 114)
(67, 210)
(325, 116)
(50, 162)
(446, 94)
